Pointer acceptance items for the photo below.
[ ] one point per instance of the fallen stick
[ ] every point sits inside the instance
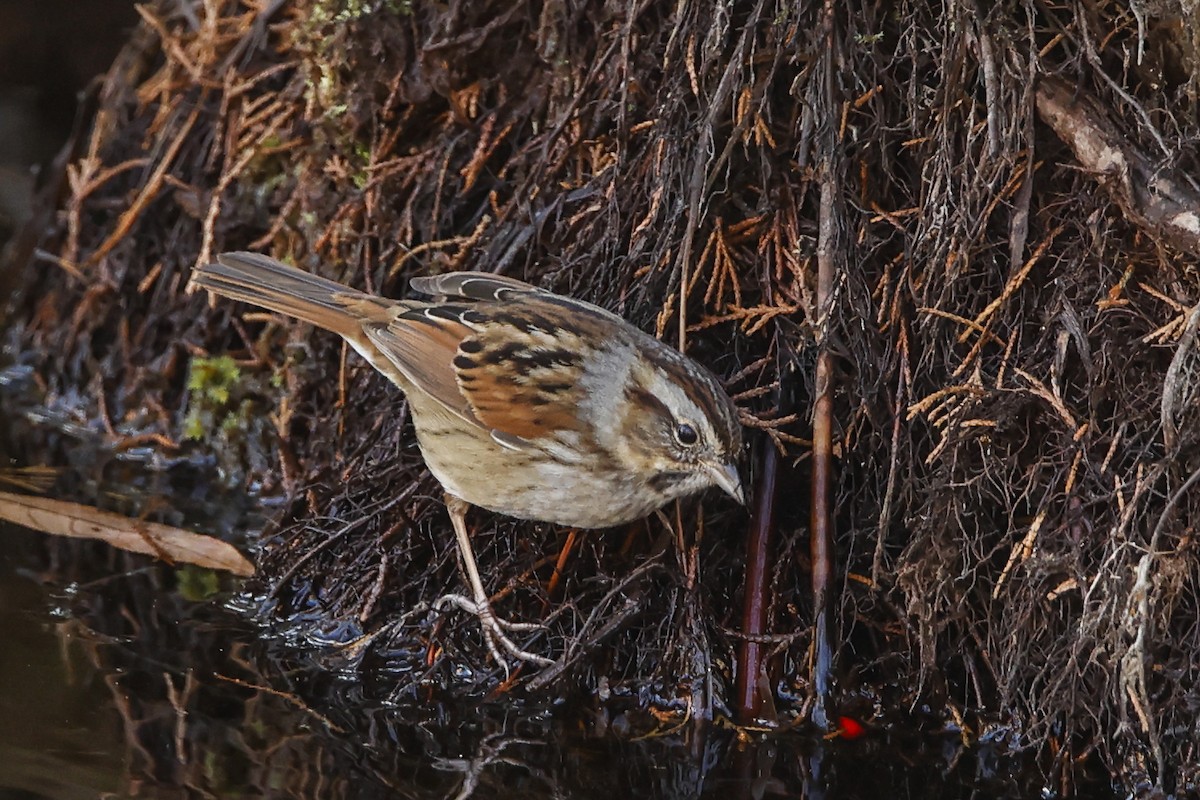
(165, 542)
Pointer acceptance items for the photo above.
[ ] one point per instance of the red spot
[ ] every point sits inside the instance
(850, 728)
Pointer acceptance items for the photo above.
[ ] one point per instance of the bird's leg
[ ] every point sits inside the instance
(493, 626)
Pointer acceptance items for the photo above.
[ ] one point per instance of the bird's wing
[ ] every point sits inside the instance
(485, 287)
(511, 367)
(473, 286)
(422, 344)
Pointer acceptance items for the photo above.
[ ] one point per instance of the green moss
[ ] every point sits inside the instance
(362, 161)
(353, 9)
(233, 420)
(227, 412)
(193, 427)
(210, 383)
(325, 11)
(214, 377)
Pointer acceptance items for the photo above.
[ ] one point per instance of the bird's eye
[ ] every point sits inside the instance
(686, 435)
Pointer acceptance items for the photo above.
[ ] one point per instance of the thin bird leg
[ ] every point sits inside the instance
(493, 626)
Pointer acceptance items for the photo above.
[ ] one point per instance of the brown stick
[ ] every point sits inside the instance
(148, 192)
(560, 565)
(821, 525)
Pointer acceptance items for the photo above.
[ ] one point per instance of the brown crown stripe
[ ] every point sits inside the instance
(700, 387)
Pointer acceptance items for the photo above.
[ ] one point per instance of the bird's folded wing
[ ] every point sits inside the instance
(488, 366)
(473, 286)
(423, 348)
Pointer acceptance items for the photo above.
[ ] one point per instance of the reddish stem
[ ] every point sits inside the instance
(749, 699)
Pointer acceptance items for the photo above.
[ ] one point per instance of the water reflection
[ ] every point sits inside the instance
(59, 737)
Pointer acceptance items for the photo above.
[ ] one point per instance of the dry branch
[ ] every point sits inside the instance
(1151, 194)
(165, 542)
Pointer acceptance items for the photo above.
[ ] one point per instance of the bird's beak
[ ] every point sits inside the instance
(726, 476)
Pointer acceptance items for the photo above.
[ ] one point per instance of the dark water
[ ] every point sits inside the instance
(59, 733)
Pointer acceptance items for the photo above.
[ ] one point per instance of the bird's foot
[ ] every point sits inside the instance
(494, 630)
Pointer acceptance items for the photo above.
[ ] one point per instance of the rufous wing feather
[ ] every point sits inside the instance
(516, 387)
(492, 365)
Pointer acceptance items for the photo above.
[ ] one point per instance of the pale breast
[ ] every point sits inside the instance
(526, 484)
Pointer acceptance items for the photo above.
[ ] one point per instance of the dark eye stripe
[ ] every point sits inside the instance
(646, 399)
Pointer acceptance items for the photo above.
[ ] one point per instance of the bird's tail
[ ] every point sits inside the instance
(263, 281)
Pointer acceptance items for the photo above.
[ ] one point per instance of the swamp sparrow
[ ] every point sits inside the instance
(524, 402)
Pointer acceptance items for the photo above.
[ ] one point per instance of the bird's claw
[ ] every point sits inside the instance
(494, 631)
